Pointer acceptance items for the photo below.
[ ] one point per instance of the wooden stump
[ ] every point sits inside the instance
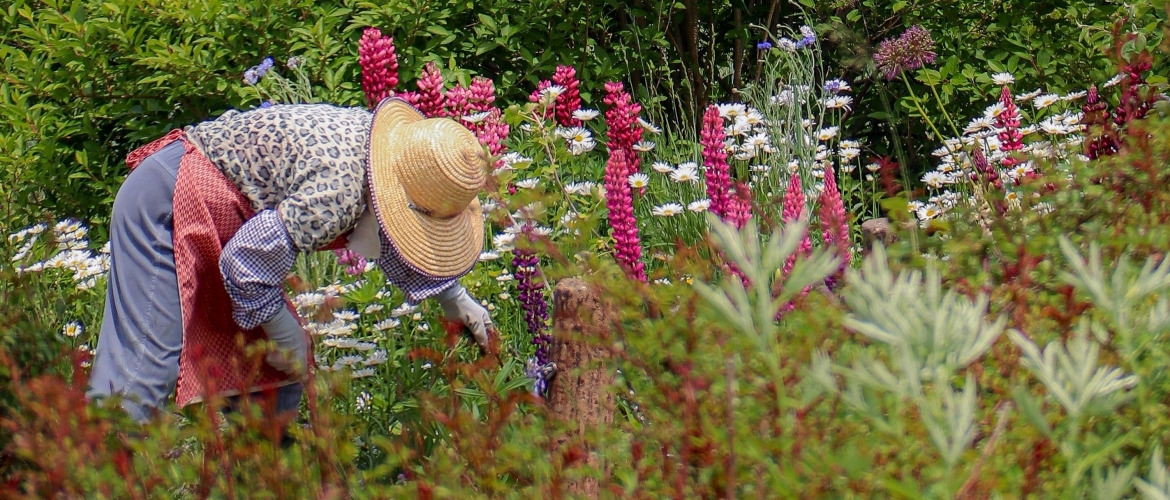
(877, 230)
(579, 394)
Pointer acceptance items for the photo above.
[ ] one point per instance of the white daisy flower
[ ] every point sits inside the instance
(376, 358)
(667, 210)
(1112, 81)
(476, 117)
(1072, 96)
(849, 154)
(1002, 79)
(732, 110)
(699, 205)
(928, 212)
(551, 92)
(349, 360)
(827, 133)
(644, 146)
(978, 124)
(505, 277)
(639, 180)
(647, 126)
(586, 114)
(686, 172)
(488, 255)
(754, 118)
(1028, 96)
(373, 309)
(72, 329)
(580, 148)
(386, 324)
(838, 102)
(362, 373)
(1043, 101)
(403, 310)
(515, 159)
(934, 179)
(662, 167)
(503, 242)
(346, 315)
(994, 110)
(528, 183)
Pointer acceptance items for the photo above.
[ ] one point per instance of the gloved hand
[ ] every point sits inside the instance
(459, 306)
(292, 344)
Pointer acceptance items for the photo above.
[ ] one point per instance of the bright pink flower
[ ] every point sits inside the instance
(1105, 142)
(430, 90)
(1010, 137)
(621, 120)
(794, 209)
(739, 205)
(481, 94)
(834, 222)
(411, 97)
(627, 245)
(457, 104)
(379, 66)
(717, 174)
(569, 100)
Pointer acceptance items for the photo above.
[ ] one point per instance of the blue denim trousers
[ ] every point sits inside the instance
(142, 327)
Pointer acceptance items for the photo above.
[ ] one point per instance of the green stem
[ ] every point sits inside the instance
(954, 129)
(921, 111)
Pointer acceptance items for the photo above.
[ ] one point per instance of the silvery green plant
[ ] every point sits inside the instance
(1133, 300)
(923, 334)
(1132, 304)
(751, 309)
(1156, 486)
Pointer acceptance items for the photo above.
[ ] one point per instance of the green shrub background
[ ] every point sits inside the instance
(84, 82)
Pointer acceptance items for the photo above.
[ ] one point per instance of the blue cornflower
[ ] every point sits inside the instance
(264, 66)
(265, 104)
(836, 86)
(764, 45)
(250, 76)
(809, 37)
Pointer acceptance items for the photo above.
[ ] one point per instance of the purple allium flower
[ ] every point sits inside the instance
(764, 45)
(913, 50)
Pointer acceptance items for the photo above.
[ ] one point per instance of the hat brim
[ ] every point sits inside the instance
(441, 248)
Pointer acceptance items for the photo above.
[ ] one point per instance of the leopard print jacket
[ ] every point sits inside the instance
(307, 161)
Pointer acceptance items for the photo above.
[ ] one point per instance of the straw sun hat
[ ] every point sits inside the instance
(425, 174)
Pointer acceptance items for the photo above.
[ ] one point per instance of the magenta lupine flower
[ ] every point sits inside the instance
(456, 104)
(491, 133)
(717, 174)
(739, 205)
(379, 66)
(834, 224)
(569, 100)
(913, 50)
(1010, 137)
(621, 120)
(627, 245)
(1096, 111)
(355, 263)
(794, 209)
(430, 91)
(481, 94)
(411, 97)
(984, 170)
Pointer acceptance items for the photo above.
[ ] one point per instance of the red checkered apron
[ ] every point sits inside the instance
(217, 357)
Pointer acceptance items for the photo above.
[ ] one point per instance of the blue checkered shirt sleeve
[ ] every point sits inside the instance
(254, 264)
(416, 284)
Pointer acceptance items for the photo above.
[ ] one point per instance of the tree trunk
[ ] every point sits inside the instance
(580, 393)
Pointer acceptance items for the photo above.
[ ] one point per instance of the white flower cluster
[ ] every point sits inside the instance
(746, 131)
(72, 252)
(1055, 135)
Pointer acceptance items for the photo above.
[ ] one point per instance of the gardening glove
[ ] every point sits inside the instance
(460, 307)
(292, 345)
